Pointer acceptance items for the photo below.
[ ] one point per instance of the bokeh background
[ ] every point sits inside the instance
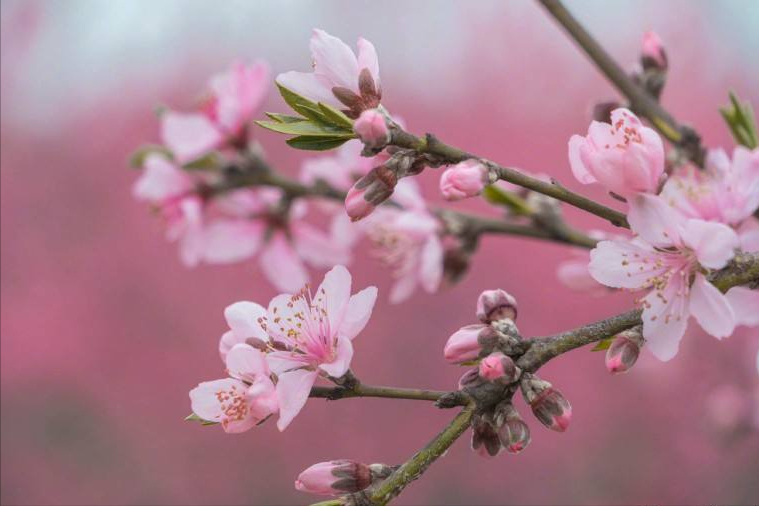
(104, 331)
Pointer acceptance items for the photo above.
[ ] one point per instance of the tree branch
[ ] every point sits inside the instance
(361, 390)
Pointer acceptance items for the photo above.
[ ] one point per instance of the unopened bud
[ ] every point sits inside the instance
(371, 128)
(499, 367)
(548, 405)
(485, 440)
(369, 192)
(494, 305)
(624, 351)
(470, 379)
(335, 477)
(468, 342)
(514, 433)
(465, 179)
(652, 54)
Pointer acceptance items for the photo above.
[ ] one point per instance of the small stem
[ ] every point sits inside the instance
(418, 464)
(361, 390)
(640, 100)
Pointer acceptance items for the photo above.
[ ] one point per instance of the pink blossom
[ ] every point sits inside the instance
(463, 180)
(408, 241)
(668, 258)
(233, 99)
(726, 192)
(652, 50)
(244, 399)
(625, 157)
(340, 78)
(312, 336)
(371, 128)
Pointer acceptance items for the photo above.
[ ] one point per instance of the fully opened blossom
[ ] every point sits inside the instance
(233, 99)
(340, 77)
(243, 400)
(310, 335)
(669, 258)
(408, 241)
(625, 157)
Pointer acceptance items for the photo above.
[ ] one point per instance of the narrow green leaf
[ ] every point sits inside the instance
(302, 105)
(306, 128)
(283, 118)
(312, 143)
(514, 202)
(137, 159)
(195, 418)
(602, 345)
(335, 116)
(209, 161)
(741, 121)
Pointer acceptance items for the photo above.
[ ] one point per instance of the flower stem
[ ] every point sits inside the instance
(361, 390)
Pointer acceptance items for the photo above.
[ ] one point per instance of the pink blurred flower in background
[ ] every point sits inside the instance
(624, 157)
(241, 401)
(340, 78)
(652, 50)
(342, 168)
(223, 119)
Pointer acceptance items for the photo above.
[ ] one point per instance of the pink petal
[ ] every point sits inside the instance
(665, 318)
(334, 59)
(227, 341)
(230, 241)
(245, 318)
(318, 248)
(717, 162)
(711, 308)
(306, 84)
(431, 264)
(403, 288)
(745, 305)
(713, 243)
(189, 136)
(408, 194)
(238, 94)
(293, 389)
(357, 314)
(335, 291)
(282, 362)
(367, 59)
(204, 401)
(282, 310)
(654, 220)
(623, 264)
(342, 361)
(282, 266)
(246, 363)
(581, 173)
(160, 180)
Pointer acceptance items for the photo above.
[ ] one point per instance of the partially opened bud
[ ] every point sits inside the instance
(624, 351)
(369, 192)
(485, 440)
(548, 405)
(652, 54)
(371, 128)
(467, 343)
(514, 433)
(335, 477)
(356, 205)
(463, 180)
(494, 305)
(499, 367)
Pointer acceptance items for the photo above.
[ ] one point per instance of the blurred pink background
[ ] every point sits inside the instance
(104, 332)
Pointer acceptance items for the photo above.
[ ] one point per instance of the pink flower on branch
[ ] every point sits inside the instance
(243, 400)
(340, 77)
(670, 257)
(465, 179)
(233, 99)
(624, 157)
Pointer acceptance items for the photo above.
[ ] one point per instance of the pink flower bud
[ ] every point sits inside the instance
(335, 477)
(464, 180)
(548, 405)
(652, 52)
(469, 379)
(356, 205)
(466, 343)
(624, 157)
(370, 191)
(494, 305)
(623, 352)
(514, 433)
(371, 128)
(499, 367)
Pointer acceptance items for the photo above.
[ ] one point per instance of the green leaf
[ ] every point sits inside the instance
(305, 127)
(208, 161)
(741, 122)
(195, 418)
(603, 345)
(302, 105)
(283, 118)
(336, 117)
(312, 143)
(137, 159)
(514, 202)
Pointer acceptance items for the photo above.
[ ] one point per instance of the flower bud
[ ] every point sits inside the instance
(371, 128)
(514, 433)
(485, 440)
(652, 54)
(369, 192)
(463, 180)
(624, 351)
(335, 477)
(499, 367)
(548, 405)
(356, 205)
(469, 379)
(494, 305)
(467, 343)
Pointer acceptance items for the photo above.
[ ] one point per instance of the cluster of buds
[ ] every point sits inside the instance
(624, 350)
(338, 477)
(501, 428)
(548, 405)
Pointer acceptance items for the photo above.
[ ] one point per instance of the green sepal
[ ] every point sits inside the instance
(603, 344)
(192, 417)
(500, 197)
(741, 122)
